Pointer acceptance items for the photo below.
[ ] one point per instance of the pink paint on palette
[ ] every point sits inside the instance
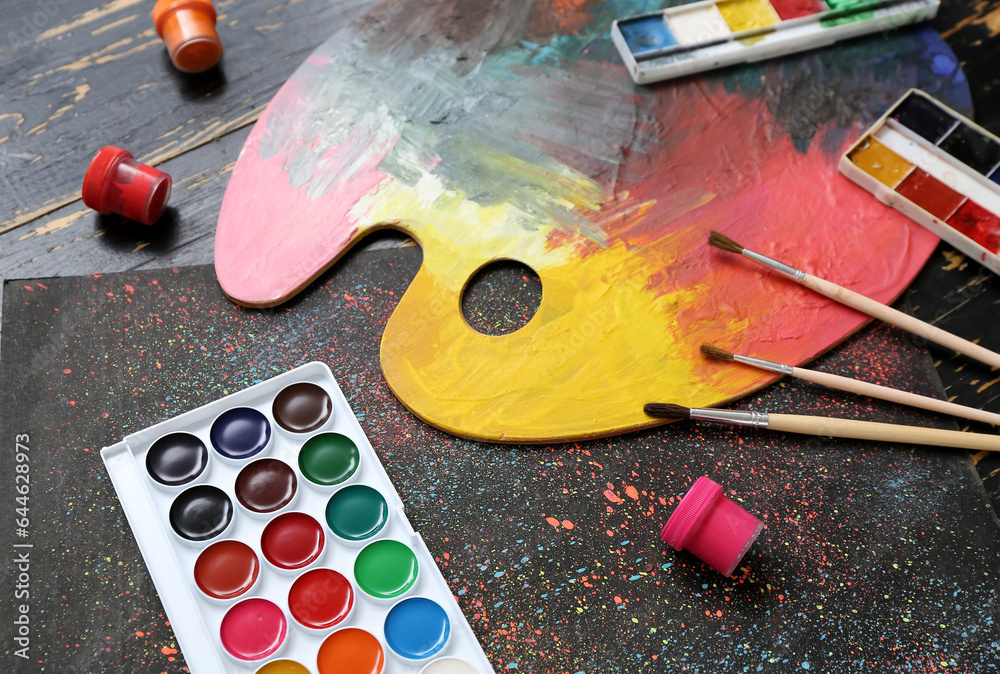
(300, 258)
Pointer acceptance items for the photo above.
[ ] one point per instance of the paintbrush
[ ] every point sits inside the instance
(831, 427)
(856, 386)
(862, 303)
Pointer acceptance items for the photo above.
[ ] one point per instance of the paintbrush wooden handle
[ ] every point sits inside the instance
(871, 430)
(899, 319)
(895, 395)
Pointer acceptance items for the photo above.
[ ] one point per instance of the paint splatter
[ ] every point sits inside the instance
(874, 556)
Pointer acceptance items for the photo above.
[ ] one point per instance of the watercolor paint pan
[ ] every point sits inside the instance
(278, 544)
(702, 36)
(937, 167)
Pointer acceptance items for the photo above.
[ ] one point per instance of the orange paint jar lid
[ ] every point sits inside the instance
(188, 29)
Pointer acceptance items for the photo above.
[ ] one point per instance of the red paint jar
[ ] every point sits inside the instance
(117, 183)
(188, 29)
(710, 525)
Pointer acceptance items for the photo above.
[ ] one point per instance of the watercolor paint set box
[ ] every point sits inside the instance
(278, 544)
(701, 36)
(937, 167)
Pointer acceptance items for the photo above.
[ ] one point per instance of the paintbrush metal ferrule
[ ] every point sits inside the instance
(788, 270)
(780, 368)
(734, 417)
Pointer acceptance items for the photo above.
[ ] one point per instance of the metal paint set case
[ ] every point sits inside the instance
(702, 36)
(278, 544)
(937, 167)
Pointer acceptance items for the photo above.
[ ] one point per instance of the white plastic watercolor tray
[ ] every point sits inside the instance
(195, 619)
(925, 156)
(786, 37)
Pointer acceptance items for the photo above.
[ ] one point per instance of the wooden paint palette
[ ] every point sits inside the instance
(515, 134)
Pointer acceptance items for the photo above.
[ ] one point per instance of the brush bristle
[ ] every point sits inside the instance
(667, 411)
(725, 243)
(712, 351)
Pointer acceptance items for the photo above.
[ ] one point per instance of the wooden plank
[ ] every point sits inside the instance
(953, 292)
(957, 294)
(972, 29)
(74, 240)
(84, 77)
(961, 296)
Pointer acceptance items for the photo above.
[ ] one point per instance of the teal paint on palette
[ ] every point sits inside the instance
(356, 512)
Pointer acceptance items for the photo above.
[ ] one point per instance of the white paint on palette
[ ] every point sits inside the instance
(698, 25)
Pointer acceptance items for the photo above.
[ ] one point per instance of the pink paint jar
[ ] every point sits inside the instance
(117, 183)
(712, 527)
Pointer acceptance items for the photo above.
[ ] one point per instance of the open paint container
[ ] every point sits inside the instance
(278, 543)
(712, 527)
(939, 168)
(701, 36)
(116, 183)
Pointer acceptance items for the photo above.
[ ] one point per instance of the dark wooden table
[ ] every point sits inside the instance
(75, 77)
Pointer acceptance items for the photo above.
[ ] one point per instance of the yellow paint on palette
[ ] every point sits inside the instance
(531, 380)
(747, 14)
(880, 162)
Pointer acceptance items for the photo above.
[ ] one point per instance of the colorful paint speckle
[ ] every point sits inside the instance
(875, 557)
